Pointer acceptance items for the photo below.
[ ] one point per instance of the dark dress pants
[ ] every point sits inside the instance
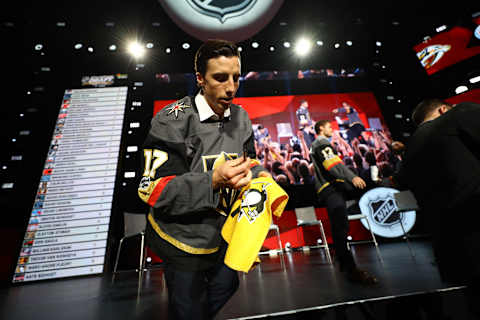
(199, 294)
(338, 216)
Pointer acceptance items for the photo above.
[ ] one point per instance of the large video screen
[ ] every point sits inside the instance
(450, 47)
(284, 132)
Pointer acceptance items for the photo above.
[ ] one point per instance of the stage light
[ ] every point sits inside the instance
(61, 24)
(112, 47)
(271, 48)
(461, 89)
(337, 45)
(186, 45)
(303, 47)
(240, 49)
(255, 45)
(90, 49)
(29, 92)
(349, 43)
(38, 47)
(136, 49)
(286, 44)
(168, 50)
(78, 46)
(378, 44)
(349, 238)
(319, 43)
(149, 45)
(474, 79)
(441, 28)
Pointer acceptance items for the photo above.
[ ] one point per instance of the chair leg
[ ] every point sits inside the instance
(142, 252)
(374, 240)
(118, 255)
(279, 240)
(412, 253)
(325, 243)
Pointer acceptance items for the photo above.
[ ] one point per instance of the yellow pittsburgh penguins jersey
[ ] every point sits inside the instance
(249, 220)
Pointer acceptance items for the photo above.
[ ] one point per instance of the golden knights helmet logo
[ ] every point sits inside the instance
(222, 9)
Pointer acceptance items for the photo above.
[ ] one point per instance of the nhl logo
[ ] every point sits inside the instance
(383, 211)
(222, 9)
(380, 209)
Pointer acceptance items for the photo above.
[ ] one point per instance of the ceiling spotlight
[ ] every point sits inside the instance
(303, 47)
(168, 50)
(337, 45)
(38, 47)
(349, 43)
(441, 28)
(474, 79)
(136, 49)
(461, 89)
(112, 47)
(78, 46)
(378, 44)
(186, 45)
(286, 44)
(149, 45)
(255, 45)
(90, 49)
(271, 48)
(319, 43)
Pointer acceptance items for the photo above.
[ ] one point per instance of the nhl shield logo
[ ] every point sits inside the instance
(222, 9)
(384, 211)
(380, 209)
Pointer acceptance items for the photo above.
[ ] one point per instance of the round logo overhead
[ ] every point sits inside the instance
(233, 20)
(381, 210)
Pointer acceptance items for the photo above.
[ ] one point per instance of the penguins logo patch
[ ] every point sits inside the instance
(253, 202)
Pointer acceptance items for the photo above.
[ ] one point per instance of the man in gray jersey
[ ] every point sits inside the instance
(333, 183)
(196, 157)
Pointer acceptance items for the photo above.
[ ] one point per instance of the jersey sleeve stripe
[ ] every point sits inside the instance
(160, 184)
(330, 163)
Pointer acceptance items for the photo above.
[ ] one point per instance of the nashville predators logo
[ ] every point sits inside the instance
(221, 9)
(253, 202)
(432, 54)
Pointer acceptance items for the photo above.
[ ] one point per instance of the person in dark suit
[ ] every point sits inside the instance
(441, 167)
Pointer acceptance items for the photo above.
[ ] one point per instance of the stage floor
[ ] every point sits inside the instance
(300, 286)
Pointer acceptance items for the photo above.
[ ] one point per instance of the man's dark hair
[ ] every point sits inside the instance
(425, 108)
(211, 49)
(320, 123)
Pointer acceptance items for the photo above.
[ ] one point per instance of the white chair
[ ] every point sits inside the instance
(359, 216)
(306, 217)
(277, 231)
(134, 225)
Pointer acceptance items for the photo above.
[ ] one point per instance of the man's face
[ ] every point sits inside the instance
(220, 82)
(327, 130)
(305, 104)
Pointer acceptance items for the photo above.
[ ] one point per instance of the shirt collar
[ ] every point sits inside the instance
(205, 111)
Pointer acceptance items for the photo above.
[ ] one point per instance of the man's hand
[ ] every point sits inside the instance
(359, 183)
(232, 174)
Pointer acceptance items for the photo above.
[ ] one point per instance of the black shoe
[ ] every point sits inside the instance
(360, 276)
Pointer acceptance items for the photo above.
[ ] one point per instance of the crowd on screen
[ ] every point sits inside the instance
(370, 153)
